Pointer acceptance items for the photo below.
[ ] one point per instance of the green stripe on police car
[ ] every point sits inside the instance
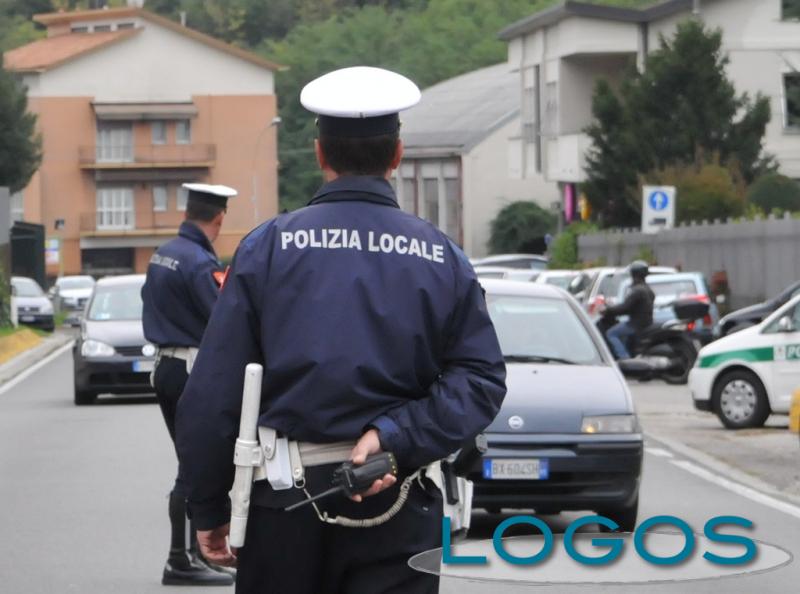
(790, 352)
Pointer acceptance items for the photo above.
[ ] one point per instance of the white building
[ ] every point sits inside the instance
(462, 161)
(560, 53)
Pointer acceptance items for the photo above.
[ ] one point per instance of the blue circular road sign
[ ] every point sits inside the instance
(658, 200)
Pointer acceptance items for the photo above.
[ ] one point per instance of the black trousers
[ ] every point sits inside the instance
(169, 380)
(295, 553)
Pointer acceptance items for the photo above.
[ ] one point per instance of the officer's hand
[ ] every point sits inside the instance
(367, 445)
(214, 546)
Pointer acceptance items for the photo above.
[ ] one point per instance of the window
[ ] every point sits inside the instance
(430, 195)
(122, 26)
(791, 10)
(183, 198)
(159, 198)
(158, 131)
(550, 120)
(17, 207)
(114, 142)
(101, 28)
(453, 208)
(79, 30)
(115, 208)
(791, 85)
(183, 131)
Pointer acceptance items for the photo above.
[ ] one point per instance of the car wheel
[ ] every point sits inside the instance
(740, 400)
(624, 516)
(82, 397)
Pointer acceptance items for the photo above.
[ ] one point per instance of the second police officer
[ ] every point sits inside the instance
(373, 331)
(182, 284)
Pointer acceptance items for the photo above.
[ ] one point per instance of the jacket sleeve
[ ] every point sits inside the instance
(632, 299)
(465, 397)
(205, 289)
(208, 411)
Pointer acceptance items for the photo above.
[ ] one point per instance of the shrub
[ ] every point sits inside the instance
(564, 249)
(520, 227)
(774, 191)
(704, 193)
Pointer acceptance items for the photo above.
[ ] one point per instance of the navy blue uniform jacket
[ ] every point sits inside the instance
(180, 289)
(362, 315)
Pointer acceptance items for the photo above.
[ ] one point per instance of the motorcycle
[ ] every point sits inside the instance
(661, 351)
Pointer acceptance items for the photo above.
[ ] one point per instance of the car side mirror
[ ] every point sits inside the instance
(786, 324)
(634, 368)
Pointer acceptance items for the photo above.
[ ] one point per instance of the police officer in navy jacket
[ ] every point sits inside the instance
(371, 327)
(182, 285)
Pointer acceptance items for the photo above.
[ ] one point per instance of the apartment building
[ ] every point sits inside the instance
(560, 53)
(131, 105)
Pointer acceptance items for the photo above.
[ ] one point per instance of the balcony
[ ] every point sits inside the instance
(566, 158)
(153, 156)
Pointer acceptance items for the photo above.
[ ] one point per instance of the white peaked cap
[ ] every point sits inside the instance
(359, 92)
(214, 190)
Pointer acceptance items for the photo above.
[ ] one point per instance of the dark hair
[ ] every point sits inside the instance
(204, 212)
(371, 155)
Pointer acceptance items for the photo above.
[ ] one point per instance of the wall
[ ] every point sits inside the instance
(155, 65)
(488, 187)
(760, 257)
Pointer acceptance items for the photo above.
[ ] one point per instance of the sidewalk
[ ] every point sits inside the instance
(17, 365)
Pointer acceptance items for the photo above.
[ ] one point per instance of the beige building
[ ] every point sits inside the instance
(560, 53)
(130, 105)
(462, 163)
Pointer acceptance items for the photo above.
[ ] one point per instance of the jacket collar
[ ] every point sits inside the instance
(193, 233)
(356, 188)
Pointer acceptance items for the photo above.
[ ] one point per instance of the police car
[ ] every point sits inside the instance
(746, 376)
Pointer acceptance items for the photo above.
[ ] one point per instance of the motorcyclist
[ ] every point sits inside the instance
(638, 306)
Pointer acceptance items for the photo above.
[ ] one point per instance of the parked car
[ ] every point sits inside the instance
(33, 306)
(680, 286)
(746, 376)
(72, 292)
(567, 436)
(560, 278)
(754, 314)
(520, 274)
(112, 355)
(524, 261)
(604, 287)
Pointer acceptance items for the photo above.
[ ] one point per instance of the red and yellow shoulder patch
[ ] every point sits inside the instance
(220, 276)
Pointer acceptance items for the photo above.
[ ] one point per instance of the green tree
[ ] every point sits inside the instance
(681, 110)
(520, 227)
(774, 191)
(20, 145)
(564, 249)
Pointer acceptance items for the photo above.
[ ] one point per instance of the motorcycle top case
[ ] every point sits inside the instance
(688, 309)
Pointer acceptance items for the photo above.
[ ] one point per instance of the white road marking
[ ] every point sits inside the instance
(35, 367)
(660, 452)
(738, 488)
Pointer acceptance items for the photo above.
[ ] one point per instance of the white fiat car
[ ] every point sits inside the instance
(746, 376)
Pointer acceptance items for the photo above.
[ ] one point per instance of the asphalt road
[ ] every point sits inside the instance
(84, 490)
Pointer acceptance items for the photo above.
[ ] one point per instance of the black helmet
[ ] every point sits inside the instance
(639, 269)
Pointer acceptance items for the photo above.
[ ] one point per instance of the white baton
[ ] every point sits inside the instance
(246, 454)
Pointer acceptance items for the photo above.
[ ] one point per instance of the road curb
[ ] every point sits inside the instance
(15, 367)
(723, 468)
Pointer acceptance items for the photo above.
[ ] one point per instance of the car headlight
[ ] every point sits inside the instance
(95, 348)
(610, 424)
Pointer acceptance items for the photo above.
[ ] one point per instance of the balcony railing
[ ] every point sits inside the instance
(103, 156)
(91, 222)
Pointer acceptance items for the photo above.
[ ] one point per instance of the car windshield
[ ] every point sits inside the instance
(668, 292)
(562, 281)
(123, 302)
(541, 330)
(610, 285)
(26, 287)
(67, 284)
